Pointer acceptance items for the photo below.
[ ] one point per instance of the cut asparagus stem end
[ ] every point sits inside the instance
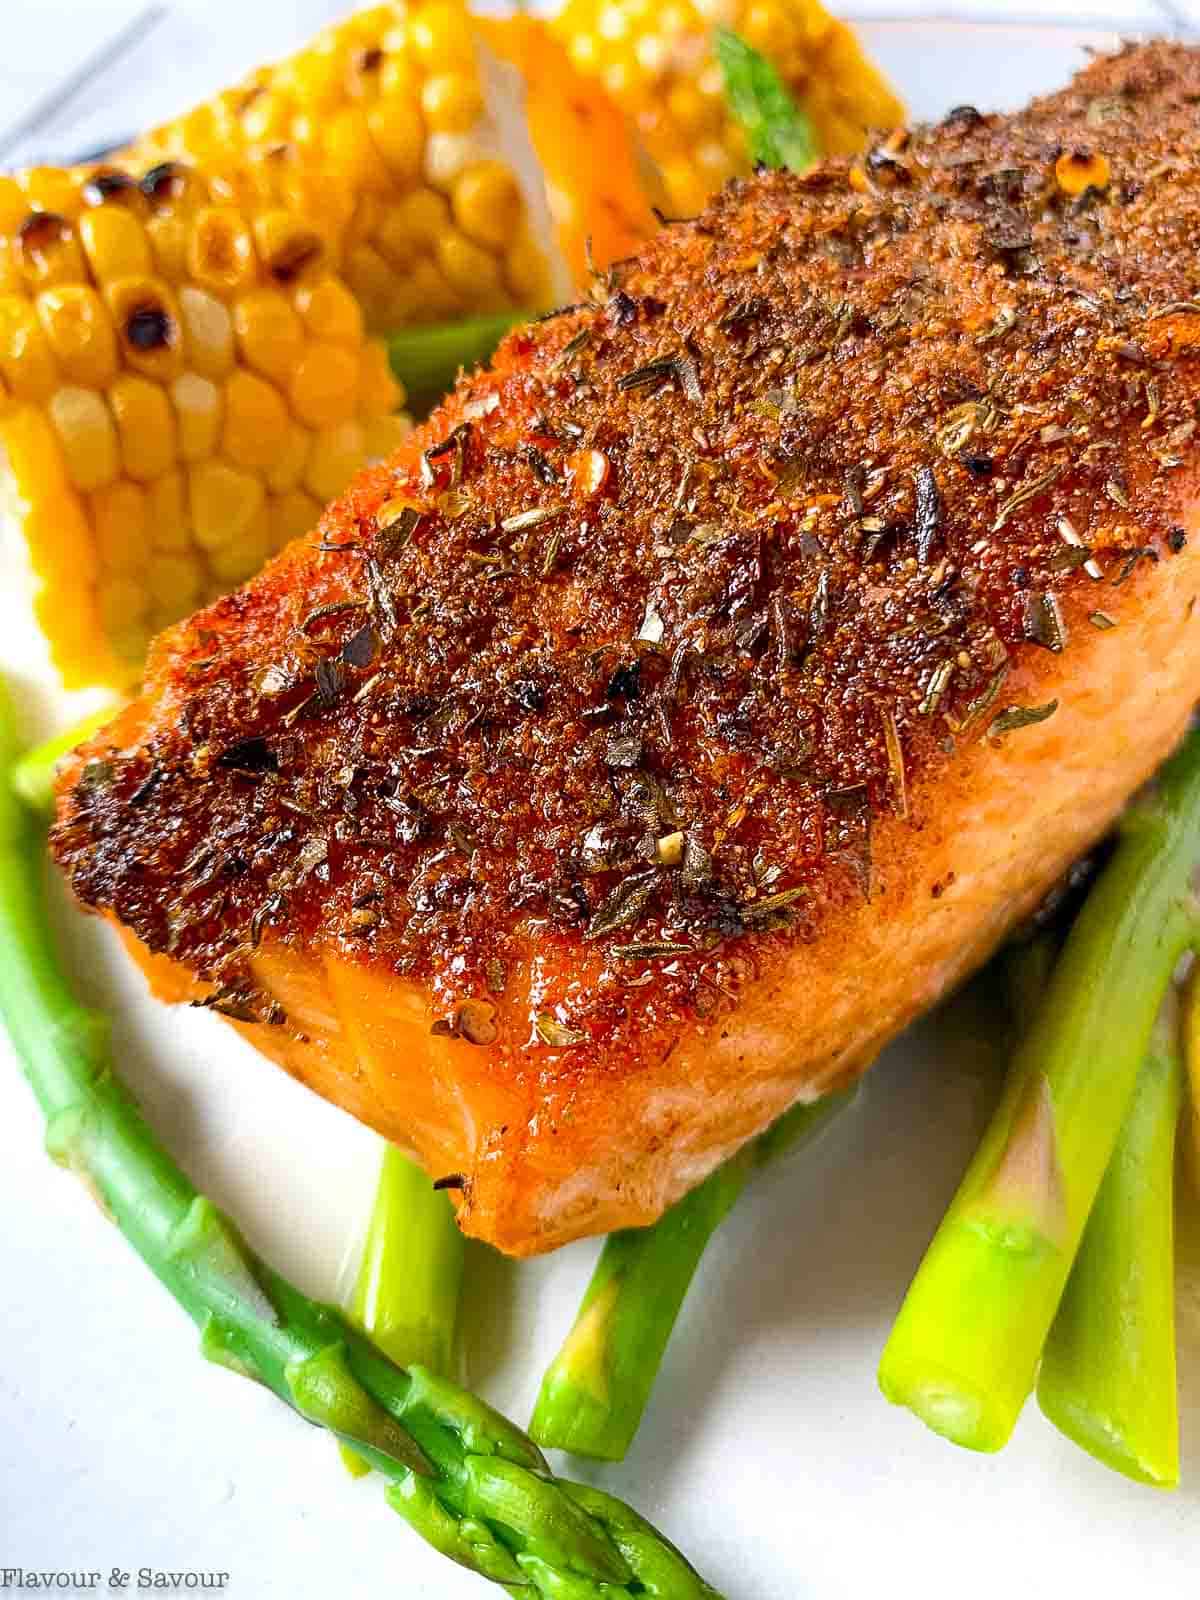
(965, 1348)
(406, 1292)
(1108, 1371)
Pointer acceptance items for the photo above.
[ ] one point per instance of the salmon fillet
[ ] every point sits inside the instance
(712, 682)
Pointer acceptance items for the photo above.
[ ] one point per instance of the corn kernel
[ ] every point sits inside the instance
(115, 244)
(351, 152)
(289, 247)
(384, 435)
(337, 454)
(51, 189)
(269, 332)
(292, 516)
(145, 425)
(370, 278)
(168, 235)
(256, 420)
(174, 583)
(235, 560)
(285, 470)
(424, 214)
(121, 602)
(48, 252)
(14, 205)
(208, 332)
(119, 516)
(324, 384)
(26, 362)
(398, 135)
(441, 37)
(329, 311)
(221, 254)
(468, 269)
(80, 332)
(525, 271)
(167, 512)
(148, 324)
(378, 391)
(223, 502)
(451, 102)
(89, 441)
(430, 297)
(197, 403)
(448, 154)
(487, 203)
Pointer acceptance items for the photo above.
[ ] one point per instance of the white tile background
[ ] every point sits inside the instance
(168, 55)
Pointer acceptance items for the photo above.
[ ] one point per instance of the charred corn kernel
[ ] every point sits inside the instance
(121, 521)
(145, 426)
(286, 468)
(174, 582)
(167, 510)
(208, 332)
(329, 311)
(451, 102)
(256, 420)
(487, 203)
(122, 601)
(197, 403)
(47, 251)
(51, 189)
(238, 559)
(292, 516)
(337, 453)
(384, 435)
(220, 253)
(288, 246)
(148, 324)
(1079, 170)
(85, 430)
(324, 386)
(79, 329)
(658, 65)
(115, 244)
(270, 335)
(26, 362)
(378, 391)
(223, 502)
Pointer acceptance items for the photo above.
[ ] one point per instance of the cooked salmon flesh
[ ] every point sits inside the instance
(713, 681)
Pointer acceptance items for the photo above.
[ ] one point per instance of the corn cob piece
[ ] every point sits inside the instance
(184, 382)
(656, 61)
(461, 162)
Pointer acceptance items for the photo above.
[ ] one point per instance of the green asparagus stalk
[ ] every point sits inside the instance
(469, 1481)
(427, 359)
(778, 133)
(406, 1292)
(1108, 1370)
(33, 774)
(595, 1391)
(964, 1351)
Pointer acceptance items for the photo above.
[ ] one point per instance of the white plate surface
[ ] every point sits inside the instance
(768, 1452)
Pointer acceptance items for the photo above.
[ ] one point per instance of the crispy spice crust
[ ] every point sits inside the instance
(696, 583)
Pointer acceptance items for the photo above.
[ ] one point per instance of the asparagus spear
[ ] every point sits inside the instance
(965, 1347)
(778, 133)
(1108, 1371)
(406, 1292)
(595, 1391)
(469, 1481)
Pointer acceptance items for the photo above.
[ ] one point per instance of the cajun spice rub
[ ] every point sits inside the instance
(712, 681)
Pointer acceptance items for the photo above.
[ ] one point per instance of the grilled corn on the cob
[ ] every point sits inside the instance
(184, 382)
(470, 159)
(657, 63)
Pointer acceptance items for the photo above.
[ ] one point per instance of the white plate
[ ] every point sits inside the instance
(768, 1452)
